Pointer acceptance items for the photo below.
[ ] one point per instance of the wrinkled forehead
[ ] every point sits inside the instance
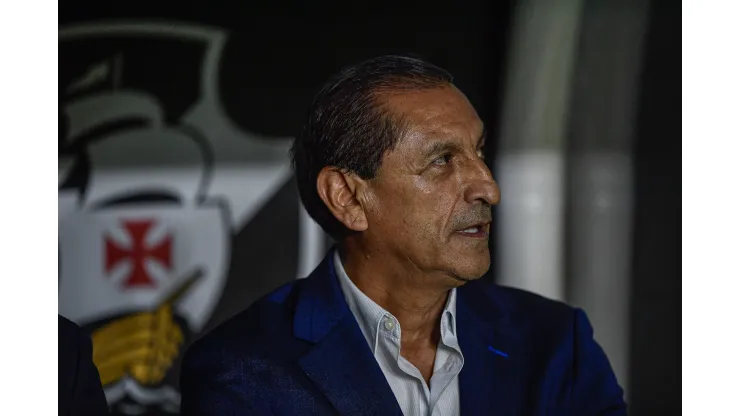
(435, 114)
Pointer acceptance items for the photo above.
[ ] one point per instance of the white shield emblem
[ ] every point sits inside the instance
(136, 256)
(158, 203)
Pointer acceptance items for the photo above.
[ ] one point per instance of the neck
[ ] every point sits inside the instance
(415, 298)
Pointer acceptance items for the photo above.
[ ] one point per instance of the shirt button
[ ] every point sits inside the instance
(389, 324)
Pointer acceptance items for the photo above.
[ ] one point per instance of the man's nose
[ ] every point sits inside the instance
(481, 187)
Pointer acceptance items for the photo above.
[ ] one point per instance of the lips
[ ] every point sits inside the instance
(479, 230)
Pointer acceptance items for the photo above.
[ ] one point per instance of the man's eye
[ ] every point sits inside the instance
(442, 160)
(481, 153)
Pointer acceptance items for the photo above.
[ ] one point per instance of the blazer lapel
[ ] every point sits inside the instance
(343, 368)
(340, 364)
(489, 347)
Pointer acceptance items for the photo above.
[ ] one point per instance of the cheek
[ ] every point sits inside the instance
(427, 214)
(436, 200)
(384, 209)
(419, 210)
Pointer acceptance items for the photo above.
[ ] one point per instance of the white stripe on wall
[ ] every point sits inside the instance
(530, 162)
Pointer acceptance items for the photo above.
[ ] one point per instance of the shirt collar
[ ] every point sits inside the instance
(369, 314)
(448, 313)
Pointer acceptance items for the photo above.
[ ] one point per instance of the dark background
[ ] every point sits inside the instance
(655, 365)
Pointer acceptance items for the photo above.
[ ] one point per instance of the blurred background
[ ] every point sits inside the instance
(178, 208)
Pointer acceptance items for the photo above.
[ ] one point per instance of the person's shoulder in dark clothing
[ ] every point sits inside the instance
(559, 335)
(80, 390)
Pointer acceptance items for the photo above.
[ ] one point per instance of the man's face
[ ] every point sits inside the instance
(430, 203)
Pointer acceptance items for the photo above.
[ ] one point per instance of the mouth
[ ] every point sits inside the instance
(479, 231)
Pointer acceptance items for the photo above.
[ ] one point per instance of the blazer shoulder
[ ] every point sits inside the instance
(262, 323)
(524, 308)
(533, 304)
(70, 337)
(560, 334)
(67, 328)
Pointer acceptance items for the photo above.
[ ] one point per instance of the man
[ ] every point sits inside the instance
(394, 320)
(80, 391)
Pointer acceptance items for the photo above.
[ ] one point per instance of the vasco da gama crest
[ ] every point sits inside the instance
(154, 179)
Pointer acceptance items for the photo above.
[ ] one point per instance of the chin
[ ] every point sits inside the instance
(471, 267)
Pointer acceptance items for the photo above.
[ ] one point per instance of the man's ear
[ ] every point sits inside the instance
(340, 192)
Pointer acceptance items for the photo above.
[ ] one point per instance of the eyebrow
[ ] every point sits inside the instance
(441, 147)
(483, 137)
(448, 146)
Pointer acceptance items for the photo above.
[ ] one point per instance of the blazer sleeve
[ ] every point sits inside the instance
(215, 382)
(595, 390)
(88, 397)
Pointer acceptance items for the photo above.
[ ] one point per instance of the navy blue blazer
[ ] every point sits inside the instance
(300, 351)
(80, 391)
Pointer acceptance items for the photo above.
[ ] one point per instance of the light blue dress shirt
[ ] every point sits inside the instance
(383, 334)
